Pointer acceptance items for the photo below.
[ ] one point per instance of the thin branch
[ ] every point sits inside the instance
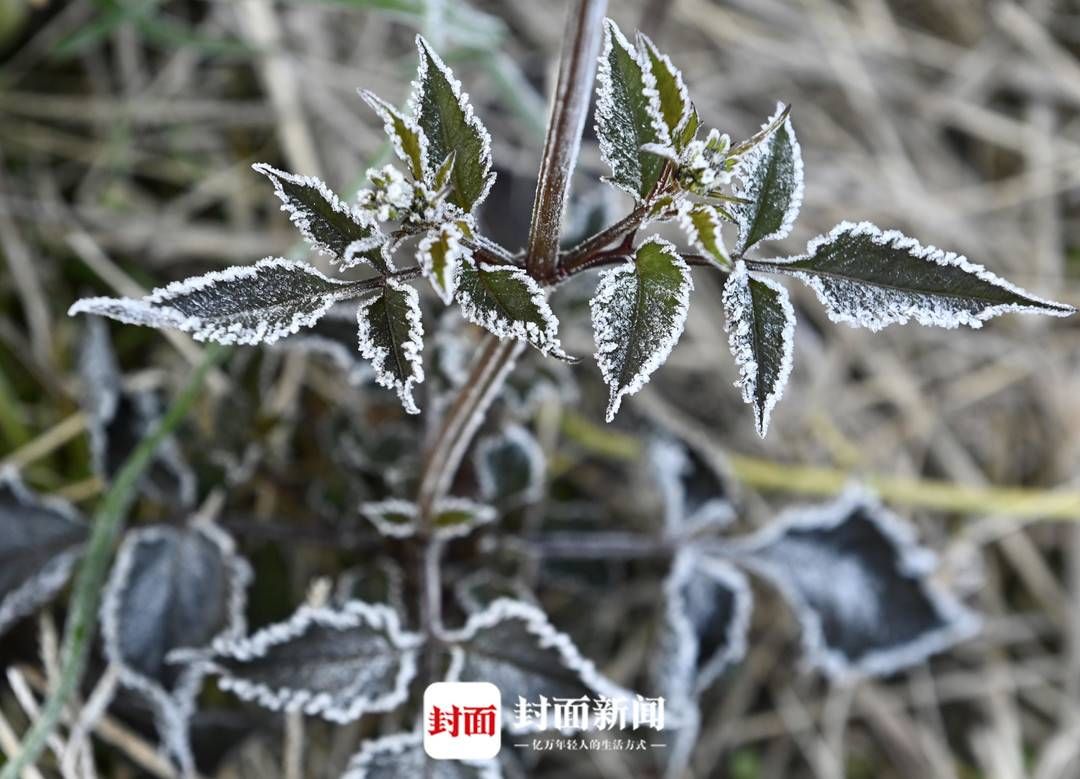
(86, 594)
(628, 225)
(577, 71)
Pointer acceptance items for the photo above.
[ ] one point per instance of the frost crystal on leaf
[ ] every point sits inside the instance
(860, 585)
(760, 322)
(508, 303)
(453, 517)
(402, 756)
(40, 540)
(871, 278)
(696, 497)
(701, 223)
(706, 619)
(347, 234)
(244, 304)
(171, 589)
(409, 142)
(337, 663)
(628, 115)
(638, 314)
(440, 254)
(675, 104)
(391, 335)
(509, 466)
(119, 418)
(770, 177)
(513, 645)
(444, 114)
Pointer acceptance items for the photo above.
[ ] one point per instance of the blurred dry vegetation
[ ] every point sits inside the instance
(127, 130)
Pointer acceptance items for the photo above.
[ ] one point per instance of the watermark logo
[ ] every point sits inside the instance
(462, 720)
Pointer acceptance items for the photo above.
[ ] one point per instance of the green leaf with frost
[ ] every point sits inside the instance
(628, 115)
(446, 117)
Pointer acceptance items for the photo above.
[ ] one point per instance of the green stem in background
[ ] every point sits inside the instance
(86, 593)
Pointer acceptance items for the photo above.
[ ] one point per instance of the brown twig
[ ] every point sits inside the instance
(577, 71)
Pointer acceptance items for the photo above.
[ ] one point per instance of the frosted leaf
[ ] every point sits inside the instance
(40, 540)
(409, 142)
(687, 131)
(860, 585)
(446, 117)
(440, 254)
(675, 104)
(441, 179)
(345, 233)
(401, 756)
(513, 645)
(871, 278)
(378, 581)
(334, 337)
(453, 517)
(171, 589)
(510, 466)
(244, 304)
(702, 225)
(336, 663)
(638, 314)
(509, 303)
(770, 176)
(391, 335)
(628, 115)
(119, 418)
(696, 496)
(706, 620)
(760, 323)
(479, 589)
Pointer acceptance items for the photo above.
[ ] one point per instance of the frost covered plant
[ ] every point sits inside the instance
(853, 573)
(652, 138)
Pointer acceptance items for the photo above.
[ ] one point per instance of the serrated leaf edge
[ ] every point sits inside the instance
(742, 350)
(363, 219)
(687, 564)
(38, 589)
(601, 318)
(667, 460)
(537, 624)
(349, 615)
(389, 114)
(412, 348)
(157, 314)
(546, 340)
(917, 561)
(172, 711)
(605, 102)
(425, 48)
(750, 159)
(902, 242)
(376, 512)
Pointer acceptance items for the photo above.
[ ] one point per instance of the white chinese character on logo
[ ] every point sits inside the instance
(572, 713)
(531, 715)
(647, 712)
(609, 714)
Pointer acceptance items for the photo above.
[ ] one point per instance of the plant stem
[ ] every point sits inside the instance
(577, 70)
(86, 594)
(577, 258)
